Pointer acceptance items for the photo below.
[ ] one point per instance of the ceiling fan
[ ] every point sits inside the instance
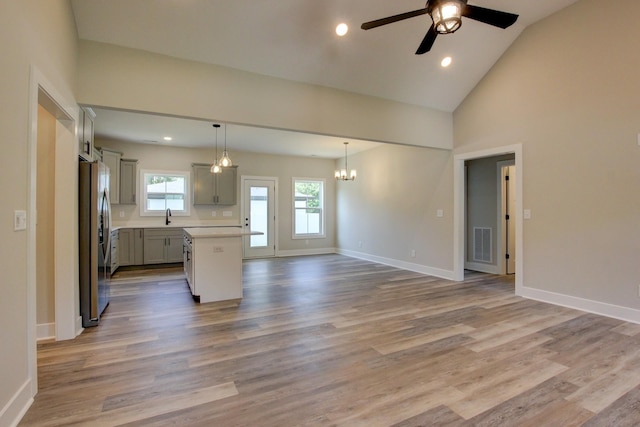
(447, 18)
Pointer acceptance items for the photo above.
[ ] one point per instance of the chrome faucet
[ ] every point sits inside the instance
(166, 216)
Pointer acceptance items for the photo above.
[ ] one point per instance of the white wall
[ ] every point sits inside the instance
(569, 91)
(42, 34)
(391, 208)
(249, 164)
(124, 78)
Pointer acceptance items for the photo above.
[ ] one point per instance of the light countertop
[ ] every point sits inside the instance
(204, 232)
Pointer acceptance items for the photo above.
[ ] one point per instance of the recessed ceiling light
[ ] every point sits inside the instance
(342, 29)
(446, 61)
(167, 138)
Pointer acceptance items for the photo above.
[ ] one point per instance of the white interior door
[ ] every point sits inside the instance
(259, 203)
(509, 225)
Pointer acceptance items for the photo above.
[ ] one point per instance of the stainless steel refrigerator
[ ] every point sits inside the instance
(95, 244)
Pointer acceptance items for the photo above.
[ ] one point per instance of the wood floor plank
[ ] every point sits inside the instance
(336, 341)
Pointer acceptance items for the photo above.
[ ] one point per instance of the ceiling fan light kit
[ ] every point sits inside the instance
(447, 18)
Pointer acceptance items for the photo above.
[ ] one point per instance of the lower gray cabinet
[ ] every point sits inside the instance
(162, 245)
(131, 246)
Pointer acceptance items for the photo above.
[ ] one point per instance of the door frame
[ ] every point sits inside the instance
(243, 207)
(459, 207)
(500, 229)
(66, 111)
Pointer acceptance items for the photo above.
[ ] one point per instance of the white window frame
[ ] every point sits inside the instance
(323, 228)
(143, 192)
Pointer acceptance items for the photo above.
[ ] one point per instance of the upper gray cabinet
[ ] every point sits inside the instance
(128, 182)
(214, 189)
(85, 133)
(112, 160)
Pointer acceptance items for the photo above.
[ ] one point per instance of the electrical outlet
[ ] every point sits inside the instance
(121, 214)
(439, 213)
(218, 249)
(214, 213)
(413, 253)
(226, 213)
(360, 244)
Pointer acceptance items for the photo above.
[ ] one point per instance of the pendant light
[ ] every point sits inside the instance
(341, 175)
(215, 167)
(225, 160)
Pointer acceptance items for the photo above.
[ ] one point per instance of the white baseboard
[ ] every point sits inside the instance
(418, 268)
(304, 252)
(45, 331)
(482, 268)
(79, 327)
(590, 306)
(17, 406)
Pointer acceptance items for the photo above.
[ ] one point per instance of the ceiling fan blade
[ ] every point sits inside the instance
(428, 41)
(390, 19)
(496, 18)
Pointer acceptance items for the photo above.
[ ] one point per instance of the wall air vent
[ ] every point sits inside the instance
(482, 244)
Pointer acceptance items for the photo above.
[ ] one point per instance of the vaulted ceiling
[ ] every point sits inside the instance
(296, 40)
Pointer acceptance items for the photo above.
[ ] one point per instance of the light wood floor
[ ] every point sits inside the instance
(335, 341)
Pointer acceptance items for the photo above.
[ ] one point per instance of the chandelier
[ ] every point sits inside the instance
(341, 174)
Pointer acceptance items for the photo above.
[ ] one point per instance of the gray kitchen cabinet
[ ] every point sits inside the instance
(85, 133)
(131, 246)
(115, 250)
(214, 189)
(162, 245)
(128, 181)
(112, 160)
(138, 246)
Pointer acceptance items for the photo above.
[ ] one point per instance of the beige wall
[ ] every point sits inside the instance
(45, 297)
(42, 34)
(569, 91)
(249, 164)
(117, 77)
(391, 208)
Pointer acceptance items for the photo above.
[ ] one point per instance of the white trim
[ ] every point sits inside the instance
(65, 307)
(305, 252)
(46, 331)
(459, 209)
(17, 406)
(79, 328)
(577, 303)
(418, 268)
(482, 268)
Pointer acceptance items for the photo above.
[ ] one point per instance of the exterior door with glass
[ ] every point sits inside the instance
(259, 215)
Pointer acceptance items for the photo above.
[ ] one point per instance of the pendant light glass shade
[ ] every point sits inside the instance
(215, 167)
(225, 160)
(341, 174)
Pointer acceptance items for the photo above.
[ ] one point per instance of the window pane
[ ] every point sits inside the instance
(165, 191)
(259, 216)
(308, 204)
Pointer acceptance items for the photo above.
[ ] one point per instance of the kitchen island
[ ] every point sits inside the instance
(213, 262)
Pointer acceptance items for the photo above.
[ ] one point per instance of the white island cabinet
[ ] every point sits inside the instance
(213, 262)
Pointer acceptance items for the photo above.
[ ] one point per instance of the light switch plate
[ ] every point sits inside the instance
(226, 213)
(439, 213)
(19, 220)
(527, 214)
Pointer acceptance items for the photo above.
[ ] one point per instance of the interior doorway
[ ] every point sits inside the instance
(459, 226)
(259, 214)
